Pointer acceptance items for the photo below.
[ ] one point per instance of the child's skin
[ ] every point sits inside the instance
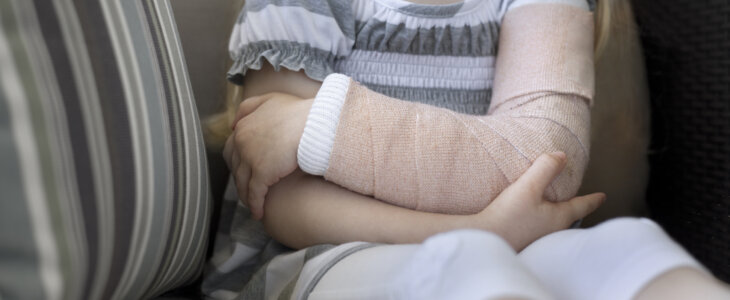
(269, 137)
(303, 210)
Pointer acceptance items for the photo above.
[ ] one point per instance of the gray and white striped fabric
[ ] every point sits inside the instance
(103, 180)
(442, 55)
(248, 264)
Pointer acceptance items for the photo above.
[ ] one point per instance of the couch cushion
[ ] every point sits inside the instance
(102, 172)
(687, 48)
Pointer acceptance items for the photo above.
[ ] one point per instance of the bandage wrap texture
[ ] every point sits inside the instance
(432, 159)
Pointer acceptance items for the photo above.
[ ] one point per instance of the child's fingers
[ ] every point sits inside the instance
(542, 172)
(239, 170)
(228, 152)
(256, 193)
(241, 176)
(580, 207)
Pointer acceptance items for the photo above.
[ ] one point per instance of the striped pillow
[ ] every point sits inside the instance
(103, 182)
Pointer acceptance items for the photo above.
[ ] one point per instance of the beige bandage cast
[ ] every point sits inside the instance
(432, 159)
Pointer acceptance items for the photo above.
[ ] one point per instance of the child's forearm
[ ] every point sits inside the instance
(415, 155)
(304, 210)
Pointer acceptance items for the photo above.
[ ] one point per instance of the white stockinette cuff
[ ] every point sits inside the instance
(315, 147)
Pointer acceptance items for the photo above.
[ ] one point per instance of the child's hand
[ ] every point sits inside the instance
(521, 215)
(263, 146)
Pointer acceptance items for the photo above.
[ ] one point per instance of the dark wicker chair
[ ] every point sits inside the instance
(687, 49)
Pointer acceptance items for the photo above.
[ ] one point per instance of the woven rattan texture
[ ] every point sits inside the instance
(687, 49)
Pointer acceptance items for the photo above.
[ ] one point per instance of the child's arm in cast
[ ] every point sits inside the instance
(431, 159)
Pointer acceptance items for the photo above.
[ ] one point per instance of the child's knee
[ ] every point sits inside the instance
(629, 234)
(469, 264)
(629, 231)
(466, 244)
(457, 254)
